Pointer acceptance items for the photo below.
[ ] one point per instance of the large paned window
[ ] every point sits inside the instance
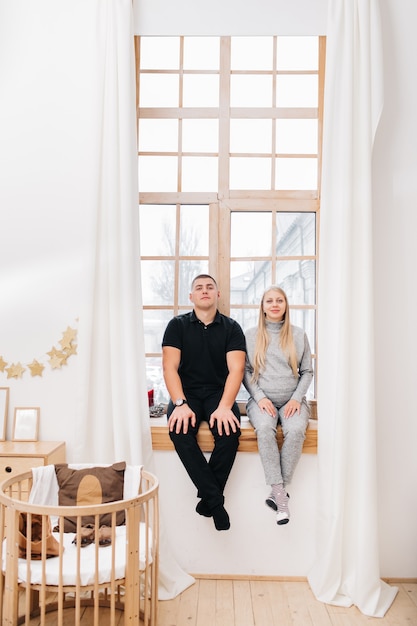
(229, 153)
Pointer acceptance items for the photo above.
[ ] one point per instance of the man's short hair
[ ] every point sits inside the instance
(203, 276)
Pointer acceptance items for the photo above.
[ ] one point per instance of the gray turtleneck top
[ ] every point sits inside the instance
(277, 381)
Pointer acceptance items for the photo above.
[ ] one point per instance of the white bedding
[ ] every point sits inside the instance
(87, 561)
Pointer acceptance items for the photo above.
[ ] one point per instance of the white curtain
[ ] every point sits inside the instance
(110, 338)
(114, 420)
(346, 569)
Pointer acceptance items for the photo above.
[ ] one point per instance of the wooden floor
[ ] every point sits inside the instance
(268, 603)
(265, 603)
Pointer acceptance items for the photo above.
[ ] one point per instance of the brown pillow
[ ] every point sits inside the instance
(89, 486)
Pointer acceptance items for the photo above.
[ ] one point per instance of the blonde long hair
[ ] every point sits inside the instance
(285, 337)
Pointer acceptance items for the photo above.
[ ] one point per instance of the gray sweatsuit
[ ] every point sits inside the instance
(278, 383)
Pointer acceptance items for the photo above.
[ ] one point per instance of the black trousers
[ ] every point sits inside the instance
(209, 476)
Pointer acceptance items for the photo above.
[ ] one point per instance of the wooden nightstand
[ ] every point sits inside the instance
(20, 456)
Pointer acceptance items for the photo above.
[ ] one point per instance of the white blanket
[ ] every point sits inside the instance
(87, 561)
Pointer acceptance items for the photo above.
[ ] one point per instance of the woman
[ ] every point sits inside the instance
(278, 373)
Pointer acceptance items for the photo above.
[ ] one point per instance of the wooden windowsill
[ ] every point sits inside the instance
(247, 440)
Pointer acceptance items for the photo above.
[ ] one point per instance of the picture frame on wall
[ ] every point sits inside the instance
(26, 423)
(4, 410)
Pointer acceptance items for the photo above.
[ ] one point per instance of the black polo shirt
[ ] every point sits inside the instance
(203, 348)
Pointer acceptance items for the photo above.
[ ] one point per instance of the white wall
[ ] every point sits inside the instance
(45, 189)
(46, 173)
(231, 17)
(254, 545)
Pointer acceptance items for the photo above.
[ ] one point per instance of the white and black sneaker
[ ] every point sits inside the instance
(271, 502)
(283, 513)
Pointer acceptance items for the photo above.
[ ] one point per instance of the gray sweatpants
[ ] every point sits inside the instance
(279, 466)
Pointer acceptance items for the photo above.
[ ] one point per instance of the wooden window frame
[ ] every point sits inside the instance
(224, 201)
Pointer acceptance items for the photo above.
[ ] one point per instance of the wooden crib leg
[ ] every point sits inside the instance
(33, 600)
(11, 592)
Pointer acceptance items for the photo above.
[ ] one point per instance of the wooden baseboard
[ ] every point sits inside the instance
(291, 579)
(399, 581)
(283, 579)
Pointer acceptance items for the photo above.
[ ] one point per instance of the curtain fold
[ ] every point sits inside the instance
(114, 423)
(109, 328)
(346, 569)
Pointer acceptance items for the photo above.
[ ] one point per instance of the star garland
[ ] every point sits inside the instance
(57, 358)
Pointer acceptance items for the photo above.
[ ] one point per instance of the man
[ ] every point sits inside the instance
(203, 355)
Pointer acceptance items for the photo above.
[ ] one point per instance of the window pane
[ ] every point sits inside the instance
(297, 91)
(296, 234)
(201, 90)
(250, 91)
(297, 53)
(298, 279)
(260, 154)
(251, 53)
(201, 53)
(157, 173)
(306, 318)
(242, 396)
(251, 136)
(246, 317)
(250, 173)
(296, 136)
(194, 231)
(155, 380)
(189, 270)
(154, 323)
(158, 135)
(159, 90)
(248, 281)
(199, 174)
(250, 234)
(296, 173)
(200, 135)
(157, 230)
(157, 282)
(159, 53)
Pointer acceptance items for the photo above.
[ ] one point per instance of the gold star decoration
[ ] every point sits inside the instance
(72, 349)
(53, 352)
(36, 368)
(15, 370)
(64, 357)
(57, 358)
(67, 337)
(55, 361)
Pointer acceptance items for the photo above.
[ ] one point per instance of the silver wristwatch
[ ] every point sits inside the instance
(180, 402)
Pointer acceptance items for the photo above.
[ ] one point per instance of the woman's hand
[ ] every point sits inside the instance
(292, 407)
(266, 406)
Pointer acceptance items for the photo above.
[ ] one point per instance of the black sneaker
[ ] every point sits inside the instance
(270, 501)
